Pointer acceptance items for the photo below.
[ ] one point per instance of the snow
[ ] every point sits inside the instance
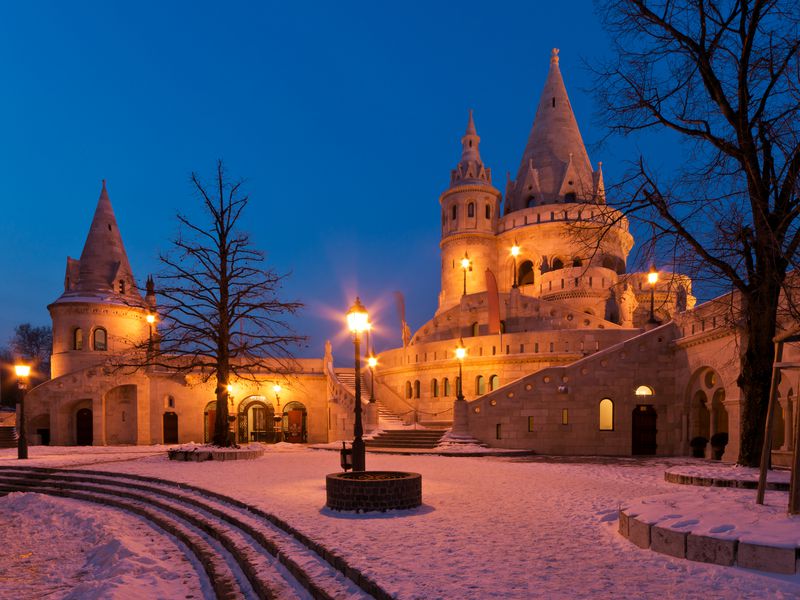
(729, 472)
(490, 527)
(62, 548)
(722, 513)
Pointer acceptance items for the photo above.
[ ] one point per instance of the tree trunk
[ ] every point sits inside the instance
(758, 349)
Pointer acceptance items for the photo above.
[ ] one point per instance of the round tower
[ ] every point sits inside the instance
(101, 312)
(470, 207)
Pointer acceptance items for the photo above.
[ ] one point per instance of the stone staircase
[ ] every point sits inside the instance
(386, 418)
(8, 437)
(406, 438)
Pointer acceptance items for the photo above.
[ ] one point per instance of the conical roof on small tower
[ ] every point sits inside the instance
(102, 273)
(470, 169)
(555, 165)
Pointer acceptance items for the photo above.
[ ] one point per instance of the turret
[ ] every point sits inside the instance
(470, 208)
(101, 311)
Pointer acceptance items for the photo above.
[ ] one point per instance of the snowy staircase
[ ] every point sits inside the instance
(386, 418)
(8, 437)
(406, 438)
(348, 379)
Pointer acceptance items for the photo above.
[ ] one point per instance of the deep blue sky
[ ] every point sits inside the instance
(344, 118)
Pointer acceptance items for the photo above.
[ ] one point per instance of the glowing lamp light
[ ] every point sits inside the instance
(22, 370)
(276, 388)
(150, 319)
(461, 353)
(465, 263)
(372, 362)
(652, 276)
(357, 317)
(230, 389)
(515, 251)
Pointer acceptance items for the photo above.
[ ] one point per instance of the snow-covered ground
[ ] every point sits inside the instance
(61, 548)
(490, 527)
(730, 472)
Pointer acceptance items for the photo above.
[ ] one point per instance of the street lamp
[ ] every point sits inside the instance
(461, 353)
(278, 417)
(22, 372)
(372, 362)
(358, 322)
(150, 318)
(652, 279)
(466, 265)
(515, 253)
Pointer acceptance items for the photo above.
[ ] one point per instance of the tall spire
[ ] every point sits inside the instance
(470, 168)
(555, 159)
(103, 269)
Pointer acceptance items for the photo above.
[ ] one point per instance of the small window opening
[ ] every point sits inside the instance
(554, 102)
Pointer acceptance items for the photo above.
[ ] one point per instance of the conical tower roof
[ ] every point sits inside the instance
(470, 169)
(103, 272)
(555, 164)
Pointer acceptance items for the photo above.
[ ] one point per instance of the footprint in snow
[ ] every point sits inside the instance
(722, 528)
(686, 523)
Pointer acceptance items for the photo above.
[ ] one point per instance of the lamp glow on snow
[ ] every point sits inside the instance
(358, 322)
(22, 371)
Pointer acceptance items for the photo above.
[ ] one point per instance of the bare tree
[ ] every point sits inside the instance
(33, 344)
(220, 314)
(723, 75)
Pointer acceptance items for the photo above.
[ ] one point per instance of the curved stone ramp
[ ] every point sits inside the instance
(701, 481)
(683, 544)
(272, 555)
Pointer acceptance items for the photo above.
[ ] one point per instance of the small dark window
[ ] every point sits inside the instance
(475, 329)
(446, 386)
(480, 385)
(525, 275)
(471, 209)
(488, 212)
(554, 102)
(77, 339)
(557, 264)
(434, 388)
(408, 389)
(455, 211)
(109, 226)
(416, 389)
(531, 201)
(569, 197)
(100, 339)
(497, 430)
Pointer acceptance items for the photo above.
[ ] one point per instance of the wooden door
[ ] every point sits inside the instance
(84, 428)
(170, 428)
(295, 426)
(644, 429)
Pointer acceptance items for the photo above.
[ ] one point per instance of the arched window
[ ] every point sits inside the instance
(480, 385)
(557, 264)
(416, 389)
(77, 339)
(408, 389)
(569, 197)
(643, 390)
(471, 209)
(488, 212)
(455, 211)
(606, 415)
(502, 326)
(525, 275)
(577, 262)
(494, 383)
(531, 201)
(434, 388)
(475, 329)
(446, 386)
(100, 339)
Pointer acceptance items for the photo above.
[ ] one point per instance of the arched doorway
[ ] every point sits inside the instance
(170, 428)
(256, 420)
(644, 429)
(84, 429)
(295, 419)
(209, 419)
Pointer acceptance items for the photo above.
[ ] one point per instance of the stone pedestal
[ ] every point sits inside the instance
(460, 419)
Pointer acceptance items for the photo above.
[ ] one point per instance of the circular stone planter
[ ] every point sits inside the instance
(364, 491)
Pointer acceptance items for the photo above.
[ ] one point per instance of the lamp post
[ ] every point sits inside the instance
(372, 362)
(358, 322)
(150, 318)
(278, 417)
(466, 264)
(515, 253)
(22, 372)
(461, 353)
(652, 279)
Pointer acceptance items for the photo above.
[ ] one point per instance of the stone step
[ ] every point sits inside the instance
(406, 438)
(8, 437)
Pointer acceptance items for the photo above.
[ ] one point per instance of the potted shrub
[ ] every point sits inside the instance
(718, 443)
(698, 445)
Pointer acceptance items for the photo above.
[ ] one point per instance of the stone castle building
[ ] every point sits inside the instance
(563, 354)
